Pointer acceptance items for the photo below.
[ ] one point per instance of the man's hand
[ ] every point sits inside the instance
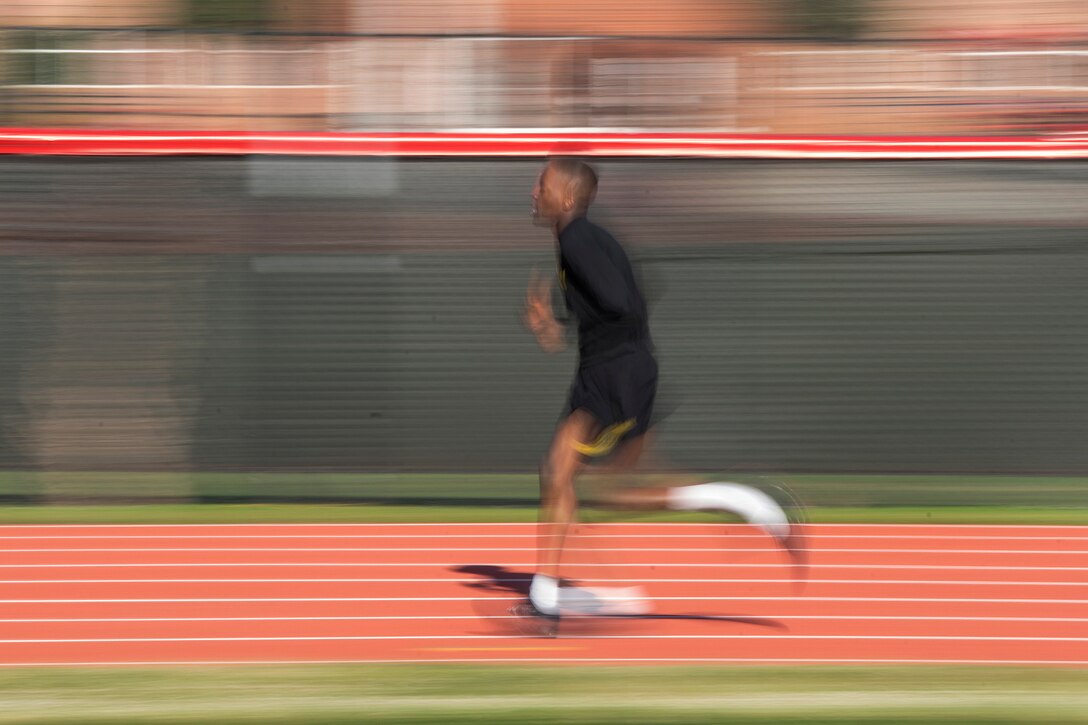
(538, 316)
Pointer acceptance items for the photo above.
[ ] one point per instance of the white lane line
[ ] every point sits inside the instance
(279, 619)
(1081, 602)
(489, 524)
(923, 582)
(821, 566)
(485, 549)
(793, 617)
(725, 534)
(525, 565)
(537, 660)
(411, 637)
(521, 565)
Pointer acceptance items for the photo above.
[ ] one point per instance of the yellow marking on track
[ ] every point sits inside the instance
(500, 649)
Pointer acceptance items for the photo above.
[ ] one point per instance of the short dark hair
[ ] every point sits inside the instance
(581, 179)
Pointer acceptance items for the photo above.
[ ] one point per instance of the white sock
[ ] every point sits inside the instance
(544, 594)
(749, 503)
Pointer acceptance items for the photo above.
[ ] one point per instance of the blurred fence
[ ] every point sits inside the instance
(278, 327)
(174, 79)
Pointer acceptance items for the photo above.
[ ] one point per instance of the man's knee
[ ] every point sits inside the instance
(557, 472)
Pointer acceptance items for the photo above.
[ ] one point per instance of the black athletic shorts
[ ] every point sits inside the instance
(619, 394)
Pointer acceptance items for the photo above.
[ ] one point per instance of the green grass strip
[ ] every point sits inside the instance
(345, 513)
(520, 694)
(818, 490)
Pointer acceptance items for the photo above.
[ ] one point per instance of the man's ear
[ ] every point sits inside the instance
(569, 201)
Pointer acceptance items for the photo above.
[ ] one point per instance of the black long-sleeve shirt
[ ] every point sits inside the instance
(601, 293)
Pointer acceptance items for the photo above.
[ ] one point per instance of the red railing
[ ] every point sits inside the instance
(64, 142)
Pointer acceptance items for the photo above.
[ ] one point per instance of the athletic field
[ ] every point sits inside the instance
(372, 619)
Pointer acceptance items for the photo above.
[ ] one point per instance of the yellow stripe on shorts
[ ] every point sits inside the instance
(606, 440)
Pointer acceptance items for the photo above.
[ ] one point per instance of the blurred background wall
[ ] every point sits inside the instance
(301, 314)
(791, 66)
(195, 315)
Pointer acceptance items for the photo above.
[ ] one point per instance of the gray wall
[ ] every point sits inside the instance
(362, 315)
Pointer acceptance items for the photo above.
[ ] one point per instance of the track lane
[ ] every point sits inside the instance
(438, 592)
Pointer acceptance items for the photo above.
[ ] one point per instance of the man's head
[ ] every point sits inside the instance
(564, 191)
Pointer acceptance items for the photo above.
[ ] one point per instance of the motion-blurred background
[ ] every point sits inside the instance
(263, 327)
(781, 66)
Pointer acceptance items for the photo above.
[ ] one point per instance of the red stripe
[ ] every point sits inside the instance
(65, 142)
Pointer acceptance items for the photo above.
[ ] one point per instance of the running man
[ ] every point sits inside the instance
(612, 396)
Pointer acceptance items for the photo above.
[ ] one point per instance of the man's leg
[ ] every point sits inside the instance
(558, 503)
(564, 462)
(690, 494)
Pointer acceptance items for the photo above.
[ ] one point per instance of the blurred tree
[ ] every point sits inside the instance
(832, 19)
(237, 15)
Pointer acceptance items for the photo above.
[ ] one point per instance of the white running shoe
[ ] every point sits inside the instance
(765, 513)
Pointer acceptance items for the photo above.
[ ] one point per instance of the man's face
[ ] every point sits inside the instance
(548, 196)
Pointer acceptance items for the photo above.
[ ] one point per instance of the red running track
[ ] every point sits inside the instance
(439, 592)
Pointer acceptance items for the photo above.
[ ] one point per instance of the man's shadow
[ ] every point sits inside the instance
(501, 580)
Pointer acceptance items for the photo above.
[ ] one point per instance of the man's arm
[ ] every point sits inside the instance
(538, 316)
